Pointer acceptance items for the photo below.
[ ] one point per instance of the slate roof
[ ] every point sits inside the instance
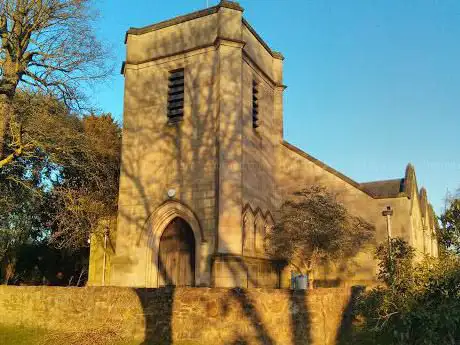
(384, 189)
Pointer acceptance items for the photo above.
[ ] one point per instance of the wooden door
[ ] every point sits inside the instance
(176, 260)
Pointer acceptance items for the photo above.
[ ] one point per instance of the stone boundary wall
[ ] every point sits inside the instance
(203, 316)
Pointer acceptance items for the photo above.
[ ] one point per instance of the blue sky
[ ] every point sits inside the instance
(372, 85)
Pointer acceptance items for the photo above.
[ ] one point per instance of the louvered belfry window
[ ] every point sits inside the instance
(176, 95)
(255, 104)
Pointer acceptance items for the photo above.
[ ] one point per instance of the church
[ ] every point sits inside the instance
(205, 166)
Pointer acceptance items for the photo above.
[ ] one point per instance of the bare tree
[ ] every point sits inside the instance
(47, 45)
(313, 227)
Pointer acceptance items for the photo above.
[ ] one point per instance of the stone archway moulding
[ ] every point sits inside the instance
(157, 223)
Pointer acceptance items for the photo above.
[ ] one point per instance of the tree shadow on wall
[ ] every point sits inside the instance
(159, 312)
(348, 333)
(186, 156)
(158, 155)
(158, 316)
(299, 331)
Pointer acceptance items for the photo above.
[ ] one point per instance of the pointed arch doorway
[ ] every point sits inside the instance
(176, 259)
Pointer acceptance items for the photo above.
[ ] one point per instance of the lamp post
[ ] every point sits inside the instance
(387, 213)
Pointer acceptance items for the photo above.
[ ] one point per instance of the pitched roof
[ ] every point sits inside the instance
(322, 165)
(384, 189)
(395, 188)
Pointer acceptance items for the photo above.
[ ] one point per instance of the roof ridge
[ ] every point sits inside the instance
(387, 180)
(323, 165)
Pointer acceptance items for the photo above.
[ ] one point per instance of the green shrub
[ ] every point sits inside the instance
(419, 305)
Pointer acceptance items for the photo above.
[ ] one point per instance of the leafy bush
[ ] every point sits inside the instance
(449, 231)
(420, 303)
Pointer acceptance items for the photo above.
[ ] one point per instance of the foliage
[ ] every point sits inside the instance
(395, 265)
(42, 132)
(58, 170)
(449, 232)
(419, 305)
(38, 263)
(64, 181)
(313, 227)
(88, 192)
(21, 222)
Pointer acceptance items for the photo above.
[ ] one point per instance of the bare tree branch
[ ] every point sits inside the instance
(48, 45)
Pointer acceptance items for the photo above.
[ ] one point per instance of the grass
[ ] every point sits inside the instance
(21, 336)
(31, 336)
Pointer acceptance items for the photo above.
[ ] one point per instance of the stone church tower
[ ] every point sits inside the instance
(204, 164)
(202, 120)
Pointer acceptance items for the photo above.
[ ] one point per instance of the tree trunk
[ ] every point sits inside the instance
(7, 269)
(5, 117)
(8, 85)
(4, 110)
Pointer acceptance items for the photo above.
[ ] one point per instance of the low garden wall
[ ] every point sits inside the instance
(183, 315)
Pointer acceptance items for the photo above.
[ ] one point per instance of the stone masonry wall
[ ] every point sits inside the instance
(157, 156)
(183, 315)
(298, 170)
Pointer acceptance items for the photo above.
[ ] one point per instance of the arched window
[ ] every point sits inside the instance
(269, 224)
(259, 232)
(248, 232)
